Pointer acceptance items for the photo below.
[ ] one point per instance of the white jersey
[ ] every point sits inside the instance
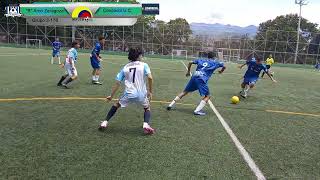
(71, 56)
(134, 76)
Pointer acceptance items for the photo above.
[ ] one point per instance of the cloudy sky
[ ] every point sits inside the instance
(235, 12)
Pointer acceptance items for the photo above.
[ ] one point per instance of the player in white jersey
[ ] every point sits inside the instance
(134, 75)
(69, 65)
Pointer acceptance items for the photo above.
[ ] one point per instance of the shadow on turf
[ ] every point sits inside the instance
(123, 131)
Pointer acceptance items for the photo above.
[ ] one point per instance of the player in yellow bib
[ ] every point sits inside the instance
(269, 63)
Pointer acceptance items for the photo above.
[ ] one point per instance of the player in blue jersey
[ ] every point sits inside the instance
(199, 80)
(252, 75)
(95, 59)
(56, 46)
(317, 66)
(69, 65)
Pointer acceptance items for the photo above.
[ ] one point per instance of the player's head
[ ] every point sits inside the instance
(259, 60)
(57, 39)
(270, 56)
(212, 55)
(102, 40)
(75, 44)
(135, 54)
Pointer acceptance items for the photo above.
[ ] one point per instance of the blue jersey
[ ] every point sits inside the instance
(206, 67)
(254, 69)
(56, 46)
(96, 50)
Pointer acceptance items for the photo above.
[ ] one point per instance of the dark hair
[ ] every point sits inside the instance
(212, 55)
(134, 54)
(74, 43)
(101, 38)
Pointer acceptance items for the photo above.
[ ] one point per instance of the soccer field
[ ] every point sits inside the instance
(47, 132)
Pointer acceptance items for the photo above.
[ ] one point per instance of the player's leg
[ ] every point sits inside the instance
(263, 73)
(205, 93)
(93, 75)
(111, 113)
(72, 75)
(62, 79)
(191, 86)
(147, 129)
(58, 56)
(52, 57)
(98, 71)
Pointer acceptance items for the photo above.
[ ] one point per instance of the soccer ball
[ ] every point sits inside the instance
(235, 100)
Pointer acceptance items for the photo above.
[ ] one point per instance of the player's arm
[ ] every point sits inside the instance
(114, 90)
(189, 68)
(150, 86)
(243, 65)
(120, 77)
(222, 70)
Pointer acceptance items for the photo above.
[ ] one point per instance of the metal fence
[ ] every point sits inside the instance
(161, 40)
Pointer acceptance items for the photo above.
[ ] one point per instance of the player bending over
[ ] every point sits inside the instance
(95, 59)
(199, 80)
(69, 65)
(133, 74)
(56, 46)
(252, 75)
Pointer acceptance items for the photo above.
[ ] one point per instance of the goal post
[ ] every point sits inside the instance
(179, 54)
(33, 43)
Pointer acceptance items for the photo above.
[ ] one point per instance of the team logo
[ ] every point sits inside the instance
(13, 11)
(81, 12)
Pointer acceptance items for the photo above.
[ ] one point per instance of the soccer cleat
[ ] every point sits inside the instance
(59, 84)
(148, 130)
(243, 94)
(103, 126)
(97, 83)
(65, 86)
(169, 108)
(199, 113)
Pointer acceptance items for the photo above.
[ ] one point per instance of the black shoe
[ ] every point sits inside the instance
(96, 83)
(65, 86)
(59, 84)
(169, 108)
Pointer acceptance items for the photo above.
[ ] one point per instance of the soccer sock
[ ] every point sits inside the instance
(147, 116)
(174, 101)
(200, 106)
(93, 78)
(97, 78)
(51, 60)
(59, 60)
(69, 80)
(62, 78)
(111, 112)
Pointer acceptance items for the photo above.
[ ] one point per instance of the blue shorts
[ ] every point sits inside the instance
(95, 63)
(198, 84)
(55, 53)
(250, 80)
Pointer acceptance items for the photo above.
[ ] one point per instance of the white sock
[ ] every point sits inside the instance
(104, 123)
(201, 105)
(93, 78)
(145, 125)
(97, 78)
(51, 60)
(59, 60)
(174, 101)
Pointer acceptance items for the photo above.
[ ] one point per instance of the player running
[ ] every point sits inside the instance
(56, 46)
(252, 75)
(317, 66)
(199, 80)
(95, 59)
(69, 65)
(269, 63)
(133, 74)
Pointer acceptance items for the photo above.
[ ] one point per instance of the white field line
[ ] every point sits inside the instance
(246, 156)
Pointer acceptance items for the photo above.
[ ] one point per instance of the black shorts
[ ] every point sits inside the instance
(268, 66)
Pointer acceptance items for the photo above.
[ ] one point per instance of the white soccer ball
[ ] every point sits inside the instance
(13, 10)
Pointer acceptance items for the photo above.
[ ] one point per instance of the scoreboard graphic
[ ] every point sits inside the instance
(82, 14)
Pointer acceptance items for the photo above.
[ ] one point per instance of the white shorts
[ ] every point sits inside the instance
(125, 100)
(71, 71)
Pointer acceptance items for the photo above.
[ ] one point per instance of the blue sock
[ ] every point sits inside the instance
(111, 112)
(147, 116)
